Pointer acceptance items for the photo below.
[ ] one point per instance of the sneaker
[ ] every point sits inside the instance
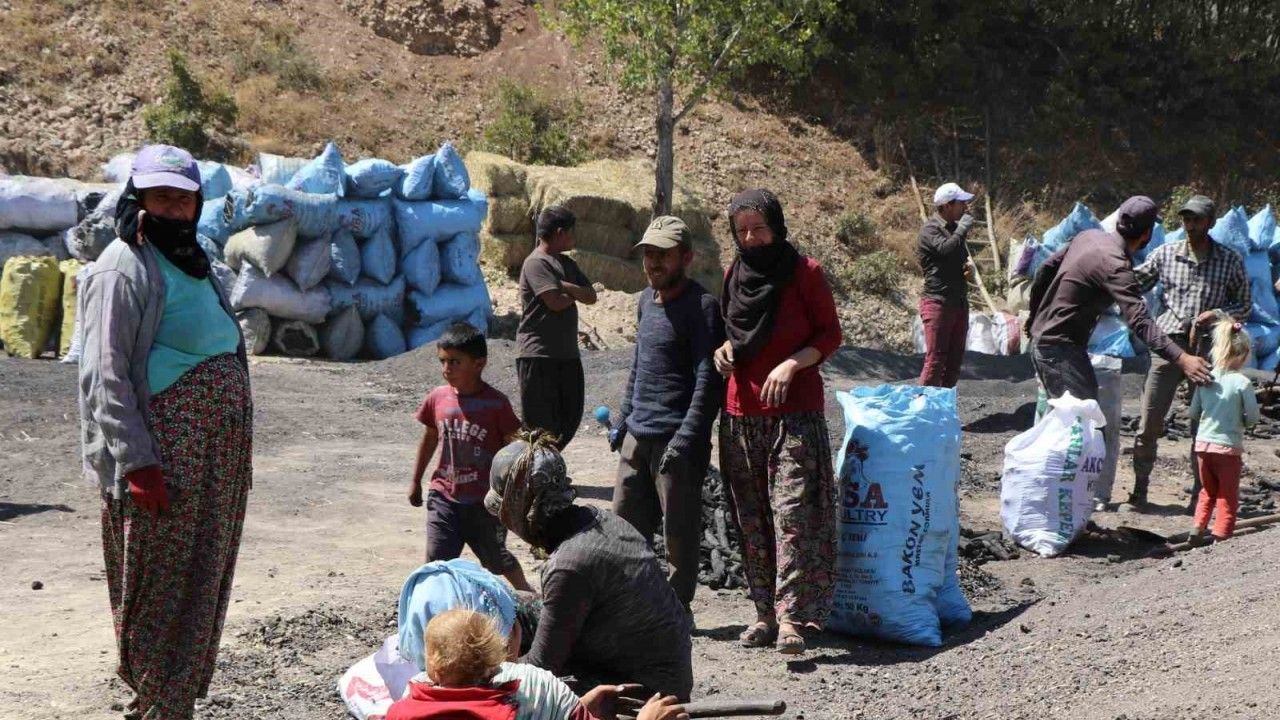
(1101, 506)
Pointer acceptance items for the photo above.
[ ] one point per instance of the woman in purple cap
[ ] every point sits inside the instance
(166, 423)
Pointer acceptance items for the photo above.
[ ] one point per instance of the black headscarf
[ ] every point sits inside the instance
(757, 277)
(175, 239)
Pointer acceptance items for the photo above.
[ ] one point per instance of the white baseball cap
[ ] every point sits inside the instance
(948, 192)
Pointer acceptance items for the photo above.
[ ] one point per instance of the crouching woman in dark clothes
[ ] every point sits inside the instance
(608, 613)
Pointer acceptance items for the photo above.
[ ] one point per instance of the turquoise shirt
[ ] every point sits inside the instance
(193, 328)
(1225, 408)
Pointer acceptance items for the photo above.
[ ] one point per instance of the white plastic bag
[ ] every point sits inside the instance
(41, 205)
(266, 247)
(279, 297)
(369, 687)
(255, 325)
(1046, 493)
(310, 263)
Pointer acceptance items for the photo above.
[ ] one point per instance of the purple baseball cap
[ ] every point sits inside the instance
(165, 166)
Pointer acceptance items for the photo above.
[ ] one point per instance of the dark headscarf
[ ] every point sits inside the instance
(757, 277)
(175, 239)
(529, 486)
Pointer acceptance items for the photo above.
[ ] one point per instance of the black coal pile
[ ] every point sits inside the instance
(984, 546)
(1177, 424)
(1259, 497)
(720, 564)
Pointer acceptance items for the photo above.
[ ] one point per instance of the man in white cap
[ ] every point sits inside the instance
(944, 303)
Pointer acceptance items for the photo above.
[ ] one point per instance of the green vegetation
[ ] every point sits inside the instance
(187, 112)
(1086, 98)
(877, 273)
(531, 127)
(275, 54)
(856, 231)
(689, 47)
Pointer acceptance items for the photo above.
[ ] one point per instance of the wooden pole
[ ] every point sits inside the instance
(915, 189)
(1181, 542)
(991, 230)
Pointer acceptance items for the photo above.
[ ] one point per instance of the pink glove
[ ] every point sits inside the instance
(146, 486)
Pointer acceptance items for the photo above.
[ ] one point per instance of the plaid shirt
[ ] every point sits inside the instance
(1191, 286)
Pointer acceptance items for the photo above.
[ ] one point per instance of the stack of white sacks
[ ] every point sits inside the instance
(363, 260)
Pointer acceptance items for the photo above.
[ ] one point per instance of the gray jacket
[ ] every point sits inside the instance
(120, 304)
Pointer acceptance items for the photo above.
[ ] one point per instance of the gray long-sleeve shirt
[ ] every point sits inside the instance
(942, 254)
(609, 609)
(120, 304)
(1078, 282)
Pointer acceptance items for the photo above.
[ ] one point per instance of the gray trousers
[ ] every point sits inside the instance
(1158, 395)
(644, 497)
(1064, 369)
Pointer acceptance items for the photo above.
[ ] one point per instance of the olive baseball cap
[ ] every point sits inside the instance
(666, 232)
(1198, 205)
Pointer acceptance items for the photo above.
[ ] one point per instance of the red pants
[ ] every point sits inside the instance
(1220, 480)
(945, 332)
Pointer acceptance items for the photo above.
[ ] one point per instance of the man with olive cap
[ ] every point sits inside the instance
(1201, 282)
(1081, 280)
(944, 302)
(671, 402)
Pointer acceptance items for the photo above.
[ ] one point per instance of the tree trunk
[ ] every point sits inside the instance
(665, 176)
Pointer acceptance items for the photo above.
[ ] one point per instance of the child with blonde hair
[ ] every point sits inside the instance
(471, 678)
(1223, 408)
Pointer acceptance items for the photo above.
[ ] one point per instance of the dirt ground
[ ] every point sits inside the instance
(1101, 633)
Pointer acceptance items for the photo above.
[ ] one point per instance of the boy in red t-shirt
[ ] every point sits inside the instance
(471, 421)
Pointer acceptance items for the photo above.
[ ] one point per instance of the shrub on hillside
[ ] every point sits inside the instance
(877, 273)
(275, 54)
(531, 127)
(187, 112)
(856, 231)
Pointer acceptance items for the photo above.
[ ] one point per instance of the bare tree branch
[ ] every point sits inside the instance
(707, 79)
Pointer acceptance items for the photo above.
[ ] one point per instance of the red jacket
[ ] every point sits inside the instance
(806, 317)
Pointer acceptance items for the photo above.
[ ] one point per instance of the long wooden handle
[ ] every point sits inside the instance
(735, 708)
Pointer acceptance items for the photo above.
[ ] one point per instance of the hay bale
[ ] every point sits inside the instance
(505, 251)
(494, 174)
(614, 273)
(509, 215)
(609, 240)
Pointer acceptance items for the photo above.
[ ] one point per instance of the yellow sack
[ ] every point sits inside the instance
(29, 289)
(69, 268)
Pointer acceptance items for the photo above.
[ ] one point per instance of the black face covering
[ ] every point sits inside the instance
(757, 277)
(175, 239)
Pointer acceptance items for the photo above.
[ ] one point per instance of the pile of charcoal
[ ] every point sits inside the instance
(1177, 425)
(984, 546)
(720, 565)
(1259, 497)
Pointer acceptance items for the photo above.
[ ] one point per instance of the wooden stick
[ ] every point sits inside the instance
(734, 708)
(915, 189)
(991, 231)
(1179, 542)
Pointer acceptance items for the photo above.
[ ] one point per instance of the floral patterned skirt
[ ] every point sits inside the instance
(783, 492)
(169, 577)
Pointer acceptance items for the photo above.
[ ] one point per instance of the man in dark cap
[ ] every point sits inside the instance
(1081, 280)
(1201, 282)
(548, 365)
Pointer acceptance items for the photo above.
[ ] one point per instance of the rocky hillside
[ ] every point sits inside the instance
(393, 78)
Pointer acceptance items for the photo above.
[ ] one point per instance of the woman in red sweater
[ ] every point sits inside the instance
(780, 318)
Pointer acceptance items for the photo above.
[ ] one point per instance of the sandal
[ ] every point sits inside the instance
(791, 642)
(758, 635)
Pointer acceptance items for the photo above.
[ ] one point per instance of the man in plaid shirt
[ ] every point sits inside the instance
(1202, 282)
